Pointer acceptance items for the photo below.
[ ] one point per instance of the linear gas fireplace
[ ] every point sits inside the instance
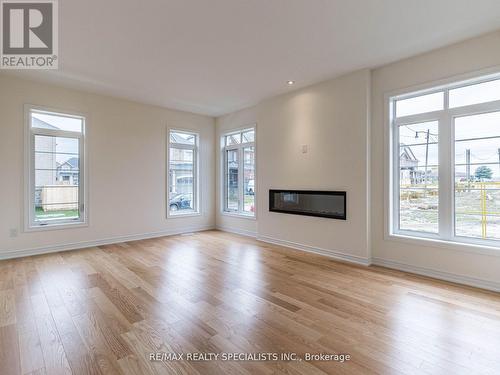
(330, 204)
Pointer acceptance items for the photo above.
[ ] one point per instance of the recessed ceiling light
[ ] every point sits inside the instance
(290, 82)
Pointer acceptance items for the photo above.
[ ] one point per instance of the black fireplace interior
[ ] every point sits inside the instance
(329, 204)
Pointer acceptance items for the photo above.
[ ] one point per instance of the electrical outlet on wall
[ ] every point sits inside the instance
(305, 148)
(13, 232)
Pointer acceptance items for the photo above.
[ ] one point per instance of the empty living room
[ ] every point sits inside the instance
(251, 187)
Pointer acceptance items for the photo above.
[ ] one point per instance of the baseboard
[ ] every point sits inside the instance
(459, 279)
(243, 232)
(107, 241)
(312, 249)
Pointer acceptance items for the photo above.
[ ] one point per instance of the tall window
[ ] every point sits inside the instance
(55, 175)
(446, 162)
(182, 173)
(239, 172)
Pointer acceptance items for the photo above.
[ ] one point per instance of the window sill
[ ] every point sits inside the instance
(467, 247)
(56, 226)
(180, 215)
(239, 215)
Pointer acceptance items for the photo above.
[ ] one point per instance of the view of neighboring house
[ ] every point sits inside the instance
(412, 170)
(232, 172)
(68, 172)
(52, 170)
(181, 172)
(249, 173)
(409, 172)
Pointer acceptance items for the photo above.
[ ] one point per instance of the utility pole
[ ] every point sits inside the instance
(467, 167)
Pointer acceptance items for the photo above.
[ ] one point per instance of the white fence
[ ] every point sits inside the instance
(59, 197)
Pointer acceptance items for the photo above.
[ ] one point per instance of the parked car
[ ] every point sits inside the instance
(180, 202)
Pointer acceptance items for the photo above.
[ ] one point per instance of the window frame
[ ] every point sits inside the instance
(446, 236)
(196, 184)
(30, 225)
(224, 173)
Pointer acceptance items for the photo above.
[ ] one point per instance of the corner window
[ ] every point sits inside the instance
(182, 173)
(55, 169)
(446, 163)
(239, 172)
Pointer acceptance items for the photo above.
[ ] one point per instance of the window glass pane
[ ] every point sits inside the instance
(477, 210)
(418, 156)
(474, 94)
(181, 180)
(59, 211)
(418, 177)
(182, 138)
(249, 179)
(63, 147)
(415, 134)
(232, 183)
(420, 104)
(56, 122)
(248, 136)
(233, 139)
(477, 176)
(478, 126)
(477, 152)
(419, 210)
(57, 177)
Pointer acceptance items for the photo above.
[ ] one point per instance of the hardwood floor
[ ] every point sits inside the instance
(105, 310)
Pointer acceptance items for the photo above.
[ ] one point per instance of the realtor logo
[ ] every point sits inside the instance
(29, 34)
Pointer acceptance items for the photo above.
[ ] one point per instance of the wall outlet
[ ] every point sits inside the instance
(13, 232)
(305, 148)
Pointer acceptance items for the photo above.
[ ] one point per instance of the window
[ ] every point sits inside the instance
(239, 172)
(182, 173)
(55, 174)
(477, 175)
(419, 177)
(446, 163)
(419, 104)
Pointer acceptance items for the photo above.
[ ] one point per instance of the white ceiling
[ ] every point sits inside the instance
(217, 56)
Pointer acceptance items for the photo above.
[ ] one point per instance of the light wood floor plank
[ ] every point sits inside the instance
(104, 310)
(10, 362)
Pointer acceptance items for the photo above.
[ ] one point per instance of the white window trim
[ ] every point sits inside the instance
(223, 165)
(446, 166)
(243, 215)
(196, 185)
(29, 175)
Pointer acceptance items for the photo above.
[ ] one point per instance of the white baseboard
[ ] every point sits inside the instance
(459, 279)
(311, 249)
(243, 232)
(10, 254)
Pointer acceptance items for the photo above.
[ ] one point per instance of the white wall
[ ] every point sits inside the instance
(469, 56)
(127, 166)
(331, 118)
